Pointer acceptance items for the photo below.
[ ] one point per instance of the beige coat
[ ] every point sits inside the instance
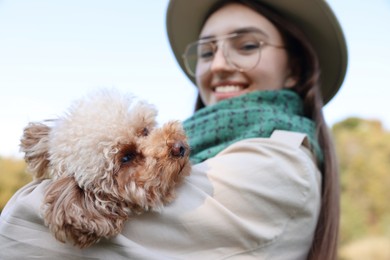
(257, 199)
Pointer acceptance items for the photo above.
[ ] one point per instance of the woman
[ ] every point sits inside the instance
(264, 180)
(293, 53)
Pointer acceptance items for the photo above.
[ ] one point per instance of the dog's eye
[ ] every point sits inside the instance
(127, 157)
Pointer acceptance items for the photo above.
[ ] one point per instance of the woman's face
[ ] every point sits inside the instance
(222, 80)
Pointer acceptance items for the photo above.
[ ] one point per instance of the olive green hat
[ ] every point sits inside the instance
(314, 17)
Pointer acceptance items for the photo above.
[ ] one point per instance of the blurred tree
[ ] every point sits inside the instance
(363, 148)
(12, 177)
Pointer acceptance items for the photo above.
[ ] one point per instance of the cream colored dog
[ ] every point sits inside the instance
(107, 161)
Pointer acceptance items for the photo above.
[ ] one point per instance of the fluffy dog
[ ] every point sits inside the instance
(108, 160)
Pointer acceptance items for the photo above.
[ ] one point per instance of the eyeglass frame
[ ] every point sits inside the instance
(215, 39)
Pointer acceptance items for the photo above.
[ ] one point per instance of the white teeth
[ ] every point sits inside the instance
(226, 89)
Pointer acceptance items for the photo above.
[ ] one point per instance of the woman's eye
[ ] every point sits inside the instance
(249, 46)
(205, 51)
(206, 54)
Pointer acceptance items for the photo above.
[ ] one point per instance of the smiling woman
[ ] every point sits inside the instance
(263, 162)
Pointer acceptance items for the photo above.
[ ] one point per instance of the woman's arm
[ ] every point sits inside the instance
(259, 197)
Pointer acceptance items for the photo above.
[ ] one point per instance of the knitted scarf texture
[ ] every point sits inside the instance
(256, 114)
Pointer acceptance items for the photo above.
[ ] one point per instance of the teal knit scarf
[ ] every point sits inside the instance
(256, 114)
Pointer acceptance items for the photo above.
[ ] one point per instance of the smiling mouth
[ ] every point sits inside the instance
(228, 89)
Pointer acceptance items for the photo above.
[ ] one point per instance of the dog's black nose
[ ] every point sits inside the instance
(178, 149)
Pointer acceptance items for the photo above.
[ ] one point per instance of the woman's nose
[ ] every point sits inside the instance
(220, 62)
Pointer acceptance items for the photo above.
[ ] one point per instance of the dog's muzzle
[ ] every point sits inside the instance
(178, 149)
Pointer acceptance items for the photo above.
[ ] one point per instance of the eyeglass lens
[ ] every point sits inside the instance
(241, 51)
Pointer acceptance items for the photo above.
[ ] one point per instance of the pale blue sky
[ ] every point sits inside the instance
(55, 51)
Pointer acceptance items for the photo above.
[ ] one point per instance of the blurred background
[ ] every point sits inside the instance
(52, 52)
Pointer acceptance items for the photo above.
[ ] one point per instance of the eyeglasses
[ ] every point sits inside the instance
(241, 51)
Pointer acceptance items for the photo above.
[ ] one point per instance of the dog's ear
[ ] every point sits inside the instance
(35, 145)
(79, 217)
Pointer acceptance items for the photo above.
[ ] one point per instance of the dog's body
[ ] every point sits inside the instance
(108, 161)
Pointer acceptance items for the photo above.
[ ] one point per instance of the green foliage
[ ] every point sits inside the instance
(363, 149)
(12, 177)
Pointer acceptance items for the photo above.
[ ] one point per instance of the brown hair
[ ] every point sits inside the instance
(304, 63)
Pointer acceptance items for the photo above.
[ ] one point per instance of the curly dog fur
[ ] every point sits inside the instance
(108, 160)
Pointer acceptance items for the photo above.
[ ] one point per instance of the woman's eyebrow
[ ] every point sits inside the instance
(251, 29)
(239, 30)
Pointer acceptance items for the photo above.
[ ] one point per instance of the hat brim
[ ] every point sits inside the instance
(314, 17)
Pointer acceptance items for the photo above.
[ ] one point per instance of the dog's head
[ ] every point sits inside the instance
(107, 151)
(109, 143)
